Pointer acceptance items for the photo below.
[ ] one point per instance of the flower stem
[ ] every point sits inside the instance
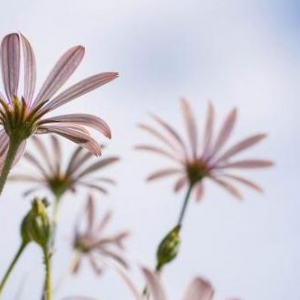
(11, 266)
(11, 154)
(184, 206)
(47, 258)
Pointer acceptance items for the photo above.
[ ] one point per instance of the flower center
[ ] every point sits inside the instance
(84, 243)
(196, 171)
(59, 184)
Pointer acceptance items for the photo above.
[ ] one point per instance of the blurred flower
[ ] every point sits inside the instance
(208, 161)
(22, 114)
(198, 289)
(58, 177)
(93, 244)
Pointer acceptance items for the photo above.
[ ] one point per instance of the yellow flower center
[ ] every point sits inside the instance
(196, 171)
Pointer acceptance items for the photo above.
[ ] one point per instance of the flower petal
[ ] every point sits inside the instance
(242, 145)
(98, 165)
(63, 69)
(191, 126)
(80, 89)
(29, 70)
(74, 134)
(199, 191)
(244, 181)
(154, 284)
(208, 135)
(158, 151)
(248, 164)
(163, 173)
(180, 183)
(199, 289)
(224, 133)
(90, 209)
(229, 187)
(10, 61)
(82, 119)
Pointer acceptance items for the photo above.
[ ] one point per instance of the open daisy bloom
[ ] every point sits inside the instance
(58, 176)
(22, 114)
(210, 159)
(198, 289)
(93, 244)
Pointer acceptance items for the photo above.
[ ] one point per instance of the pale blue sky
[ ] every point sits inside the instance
(235, 53)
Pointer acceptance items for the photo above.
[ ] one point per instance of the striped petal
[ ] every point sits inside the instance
(10, 62)
(191, 125)
(199, 289)
(29, 70)
(63, 69)
(80, 89)
(81, 119)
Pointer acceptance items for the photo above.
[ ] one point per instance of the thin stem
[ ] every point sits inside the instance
(11, 266)
(184, 206)
(47, 258)
(10, 157)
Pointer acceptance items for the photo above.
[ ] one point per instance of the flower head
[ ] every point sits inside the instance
(198, 289)
(58, 176)
(22, 114)
(210, 159)
(93, 244)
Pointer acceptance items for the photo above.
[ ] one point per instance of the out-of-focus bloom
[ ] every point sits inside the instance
(198, 289)
(59, 176)
(22, 114)
(93, 244)
(208, 160)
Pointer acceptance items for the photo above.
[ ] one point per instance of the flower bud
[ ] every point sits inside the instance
(36, 225)
(168, 248)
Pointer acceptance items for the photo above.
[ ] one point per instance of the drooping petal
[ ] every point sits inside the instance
(248, 164)
(81, 119)
(80, 89)
(227, 186)
(225, 133)
(191, 125)
(180, 183)
(244, 181)
(199, 191)
(241, 146)
(208, 134)
(74, 134)
(29, 70)
(199, 289)
(163, 173)
(156, 288)
(10, 62)
(63, 69)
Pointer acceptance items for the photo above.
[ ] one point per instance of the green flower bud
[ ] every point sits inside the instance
(168, 248)
(36, 225)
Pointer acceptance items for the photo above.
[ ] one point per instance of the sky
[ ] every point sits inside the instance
(235, 53)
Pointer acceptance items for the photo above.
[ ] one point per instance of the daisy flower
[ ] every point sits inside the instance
(22, 113)
(194, 162)
(60, 176)
(93, 244)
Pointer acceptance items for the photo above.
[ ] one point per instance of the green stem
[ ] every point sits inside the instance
(184, 206)
(47, 258)
(11, 154)
(11, 266)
